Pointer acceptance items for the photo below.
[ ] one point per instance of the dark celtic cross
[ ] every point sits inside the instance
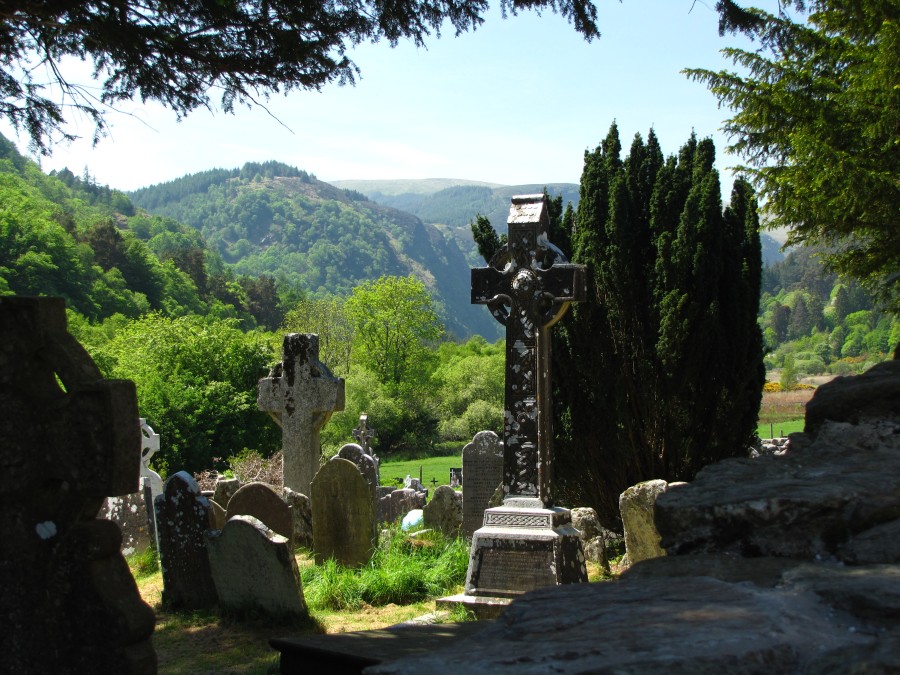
(528, 286)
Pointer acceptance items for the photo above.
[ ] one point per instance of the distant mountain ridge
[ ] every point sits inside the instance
(451, 204)
(278, 220)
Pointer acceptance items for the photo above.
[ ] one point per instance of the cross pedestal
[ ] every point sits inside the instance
(300, 394)
(528, 286)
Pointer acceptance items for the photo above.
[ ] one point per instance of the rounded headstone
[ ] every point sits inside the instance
(444, 511)
(343, 515)
(636, 506)
(261, 501)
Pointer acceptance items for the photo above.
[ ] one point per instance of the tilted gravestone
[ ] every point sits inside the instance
(445, 511)
(262, 502)
(483, 470)
(254, 569)
(528, 542)
(300, 394)
(68, 439)
(343, 513)
(182, 516)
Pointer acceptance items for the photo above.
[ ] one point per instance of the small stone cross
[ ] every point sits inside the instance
(528, 286)
(364, 433)
(300, 394)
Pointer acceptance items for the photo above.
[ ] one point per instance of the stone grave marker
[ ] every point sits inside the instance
(225, 489)
(149, 447)
(397, 503)
(456, 476)
(445, 511)
(261, 501)
(129, 512)
(217, 515)
(343, 511)
(528, 542)
(300, 394)
(483, 467)
(182, 516)
(68, 439)
(254, 569)
(364, 434)
(301, 514)
(365, 463)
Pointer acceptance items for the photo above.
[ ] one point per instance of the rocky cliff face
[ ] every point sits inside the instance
(781, 564)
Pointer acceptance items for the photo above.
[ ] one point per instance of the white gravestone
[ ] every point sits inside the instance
(301, 394)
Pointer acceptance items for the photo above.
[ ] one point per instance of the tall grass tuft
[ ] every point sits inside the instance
(402, 570)
(143, 563)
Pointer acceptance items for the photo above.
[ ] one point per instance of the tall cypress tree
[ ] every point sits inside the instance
(661, 372)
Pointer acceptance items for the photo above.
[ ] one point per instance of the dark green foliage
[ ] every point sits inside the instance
(660, 373)
(486, 238)
(817, 118)
(196, 385)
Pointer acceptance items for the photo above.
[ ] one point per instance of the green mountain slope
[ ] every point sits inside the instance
(450, 205)
(278, 220)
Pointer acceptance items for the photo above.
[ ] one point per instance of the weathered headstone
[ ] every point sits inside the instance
(301, 394)
(68, 439)
(301, 514)
(483, 469)
(528, 542)
(225, 489)
(365, 463)
(129, 512)
(397, 503)
(182, 516)
(254, 569)
(218, 516)
(343, 512)
(445, 511)
(261, 501)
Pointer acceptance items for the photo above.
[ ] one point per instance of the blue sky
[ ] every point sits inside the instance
(517, 101)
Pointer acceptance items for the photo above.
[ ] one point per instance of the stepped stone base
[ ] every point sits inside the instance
(482, 607)
(523, 546)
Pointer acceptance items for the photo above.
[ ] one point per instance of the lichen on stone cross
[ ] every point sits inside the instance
(527, 287)
(300, 394)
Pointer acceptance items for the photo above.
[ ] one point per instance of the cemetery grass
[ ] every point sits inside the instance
(401, 583)
(432, 467)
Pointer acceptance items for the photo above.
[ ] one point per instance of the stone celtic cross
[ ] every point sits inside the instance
(528, 286)
(300, 394)
(364, 433)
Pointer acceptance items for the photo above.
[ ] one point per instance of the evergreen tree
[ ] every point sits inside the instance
(661, 372)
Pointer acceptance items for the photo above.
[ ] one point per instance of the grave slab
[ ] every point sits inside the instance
(483, 471)
(343, 513)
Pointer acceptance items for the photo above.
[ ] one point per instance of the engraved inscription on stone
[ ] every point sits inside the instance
(508, 571)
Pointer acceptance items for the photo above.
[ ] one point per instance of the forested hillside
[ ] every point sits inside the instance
(452, 208)
(816, 323)
(277, 220)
